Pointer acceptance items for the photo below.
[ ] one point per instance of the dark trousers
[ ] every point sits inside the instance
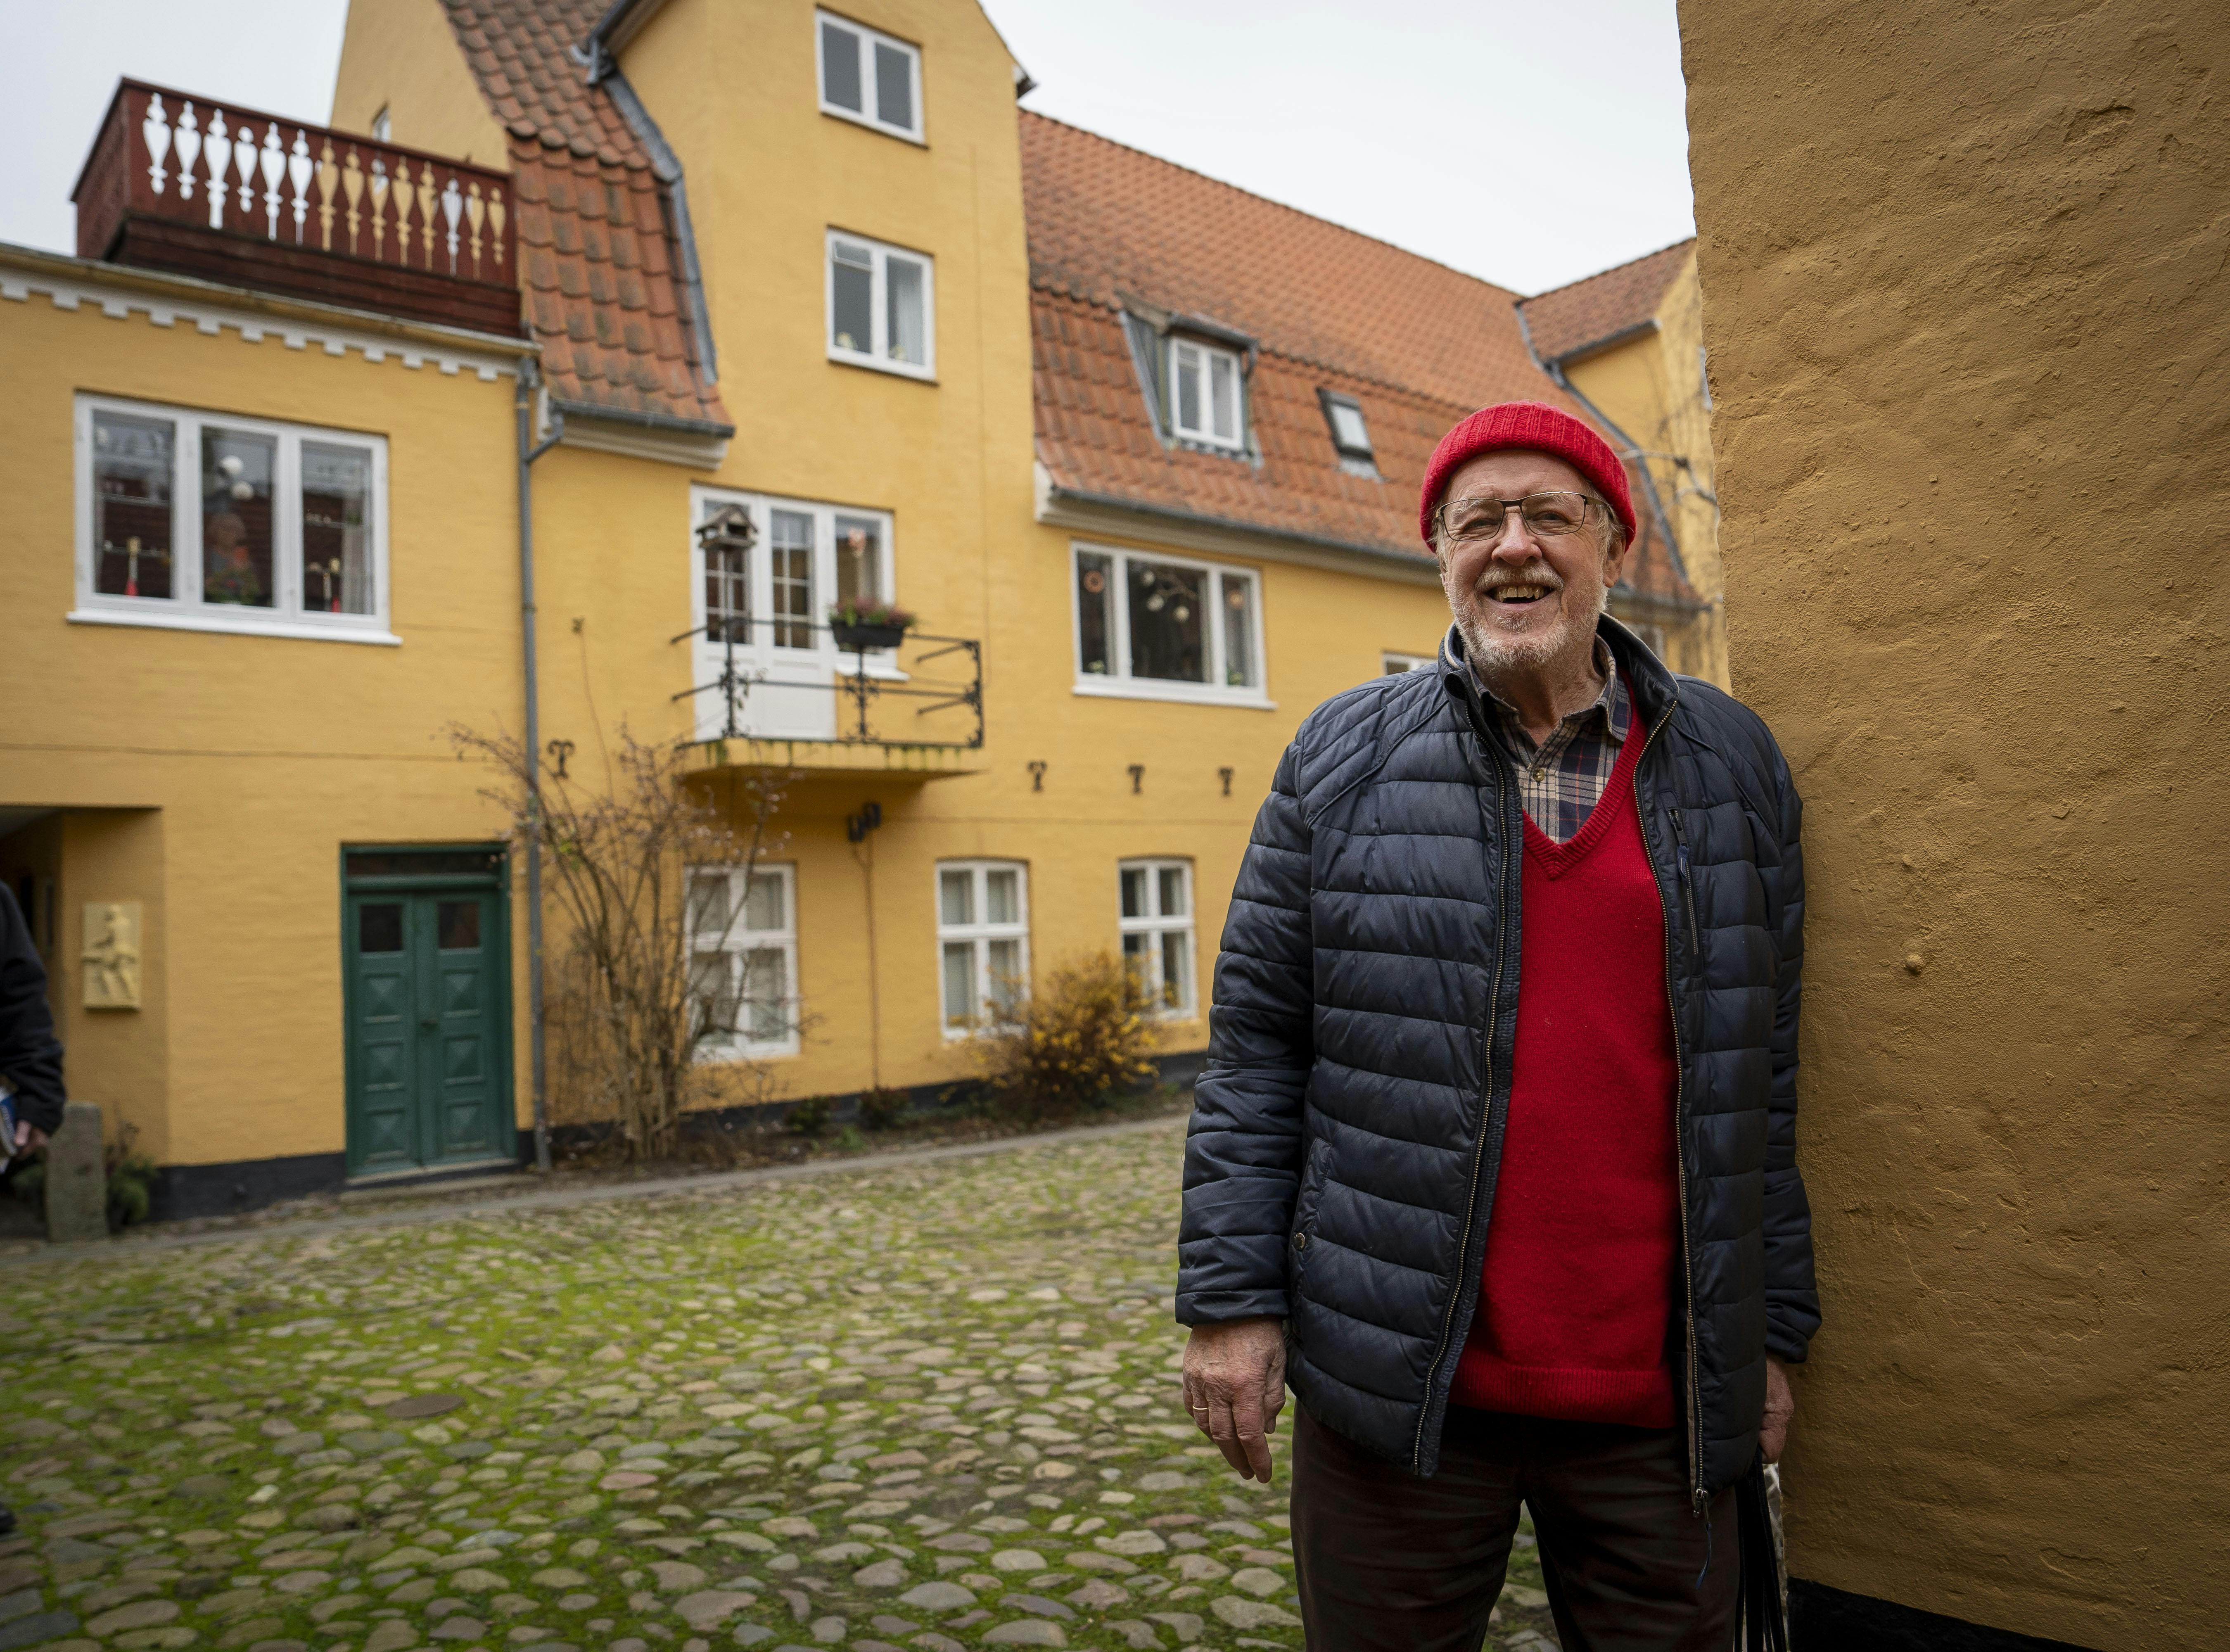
(1387, 1560)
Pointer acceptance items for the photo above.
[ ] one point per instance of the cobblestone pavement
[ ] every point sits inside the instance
(931, 1405)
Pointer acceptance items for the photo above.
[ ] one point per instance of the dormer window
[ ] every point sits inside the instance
(1204, 394)
(868, 77)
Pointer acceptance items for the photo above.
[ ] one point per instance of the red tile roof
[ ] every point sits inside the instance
(597, 260)
(1566, 320)
(1417, 344)
(1107, 223)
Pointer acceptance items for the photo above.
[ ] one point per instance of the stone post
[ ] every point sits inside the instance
(77, 1185)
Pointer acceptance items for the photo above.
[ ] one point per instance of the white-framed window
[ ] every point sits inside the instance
(1393, 665)
(1157, 924)
(868, 76)
(1206, 394)
(743, 959)
(1156, 627)
(882, 305)
(983, 941)
(218, 522)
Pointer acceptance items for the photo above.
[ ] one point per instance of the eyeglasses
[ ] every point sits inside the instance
(1547, 515)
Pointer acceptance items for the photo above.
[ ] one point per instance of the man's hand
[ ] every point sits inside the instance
(29, 1136)
(1779, 1407)
(1235, 1386)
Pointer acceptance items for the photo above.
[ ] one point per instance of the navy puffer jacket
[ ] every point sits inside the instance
(1345, 1138)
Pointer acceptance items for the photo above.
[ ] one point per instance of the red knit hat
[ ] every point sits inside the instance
(1537, 427)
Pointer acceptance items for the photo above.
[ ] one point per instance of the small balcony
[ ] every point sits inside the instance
(783, 694)
(233, 195)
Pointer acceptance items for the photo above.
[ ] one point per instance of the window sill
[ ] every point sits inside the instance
(297, 631)
(745, 1052)
(850, 118)
(878, 365)
(1185, 694)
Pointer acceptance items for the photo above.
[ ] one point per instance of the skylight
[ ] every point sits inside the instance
(1350, 433)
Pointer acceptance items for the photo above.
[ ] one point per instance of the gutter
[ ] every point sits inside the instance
(595, 414)
(603, 70)
(1596, 346)
(1644, 601)
(1554, 369)
(1403, 559)
(622, 20)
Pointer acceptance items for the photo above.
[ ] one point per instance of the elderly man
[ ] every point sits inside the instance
(1494, 1159)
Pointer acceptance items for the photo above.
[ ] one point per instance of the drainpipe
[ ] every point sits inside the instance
(529, 451)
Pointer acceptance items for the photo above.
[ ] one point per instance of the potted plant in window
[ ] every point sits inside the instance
(859, 625)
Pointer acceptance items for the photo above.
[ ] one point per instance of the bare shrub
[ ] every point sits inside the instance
(628, 1007)
(883, 1108)
(1070, 1047)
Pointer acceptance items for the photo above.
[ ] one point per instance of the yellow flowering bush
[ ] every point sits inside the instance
(1071, 1046)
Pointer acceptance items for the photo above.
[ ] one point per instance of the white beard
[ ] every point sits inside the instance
(1494, 651)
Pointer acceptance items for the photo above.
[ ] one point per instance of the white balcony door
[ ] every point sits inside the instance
(769, 603)
(792, 700)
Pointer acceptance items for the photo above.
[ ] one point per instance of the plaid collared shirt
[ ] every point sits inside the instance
(1561, 780)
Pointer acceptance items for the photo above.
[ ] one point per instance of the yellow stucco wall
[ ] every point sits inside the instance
(402, 56)
(225, 772)
(1963, 295)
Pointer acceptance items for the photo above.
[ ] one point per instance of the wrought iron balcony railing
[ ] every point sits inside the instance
(212, 189)
(787, 679)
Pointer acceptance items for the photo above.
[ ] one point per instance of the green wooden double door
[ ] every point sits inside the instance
(428, 997)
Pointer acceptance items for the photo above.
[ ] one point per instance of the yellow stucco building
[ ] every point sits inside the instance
(798, 306)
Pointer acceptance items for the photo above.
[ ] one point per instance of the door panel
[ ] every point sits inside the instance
(460, 1072)
(428, 1068)
(383, 1126)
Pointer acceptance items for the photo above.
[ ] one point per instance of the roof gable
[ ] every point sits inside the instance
(1569, 321)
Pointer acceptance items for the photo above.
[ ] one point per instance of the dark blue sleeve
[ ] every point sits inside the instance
(31, 1054)
(1792, 1295)
(1243, 1155)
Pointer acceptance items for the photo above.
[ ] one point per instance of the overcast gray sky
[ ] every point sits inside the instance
(1524, 143)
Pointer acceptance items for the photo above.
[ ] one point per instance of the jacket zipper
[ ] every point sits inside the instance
(1687, 884)
(1696, 1497)
(1478, 1153)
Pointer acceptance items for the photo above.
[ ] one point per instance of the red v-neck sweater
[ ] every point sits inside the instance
(1576, 1290)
